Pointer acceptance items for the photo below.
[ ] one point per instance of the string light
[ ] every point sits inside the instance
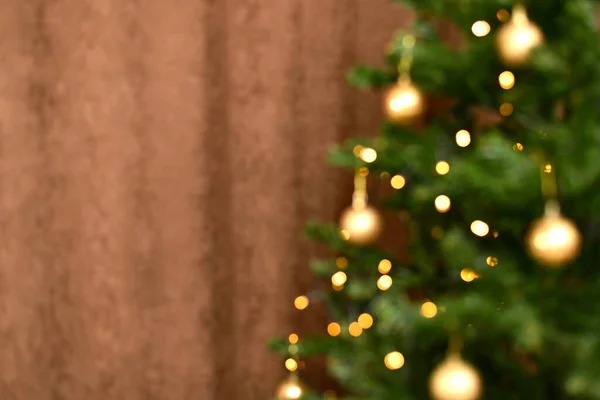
(337, 288)
(518, 147)
(357, 149)
(365, 321)
(339, 278)
(398, 182)
(384, 267)
(468, 275)
(442, 167)
(293, 338)
(480, 28)
(384, 282)
(442, 203)
(429, 309)
(506, 109)
(491, 261)
(291, 364)
(480, 228)
(341, 262)
(355, 329)
(301, 302)
(506, 80)
(463, 138)
(334, 329)
(394, 360)
(368, 155)
(503, 15)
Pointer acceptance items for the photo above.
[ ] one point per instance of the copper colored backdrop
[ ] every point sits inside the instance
(157, 163)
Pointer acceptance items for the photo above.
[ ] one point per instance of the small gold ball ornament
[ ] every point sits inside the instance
(362, 224)
(404, 102)
(290, 389)
(517, 38)
(454, 379)
(554, 240)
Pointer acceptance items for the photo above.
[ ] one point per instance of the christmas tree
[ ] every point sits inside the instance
(499, 294)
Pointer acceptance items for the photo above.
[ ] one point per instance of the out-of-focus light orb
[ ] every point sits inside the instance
(384, 267)
(394, 360)
(442, 203)
(463, 138)
(480, 28)
(506, 80)
(301, 302)
(368, 155)
(429, 309)
(442, 167)
(480, 228)
(384, 282)
(398, 182)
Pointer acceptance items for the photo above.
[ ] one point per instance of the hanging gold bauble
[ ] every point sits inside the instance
(517, 38)
(403, 102)
(554, 240)
(455, 379)
(361, 225)
(290, 389)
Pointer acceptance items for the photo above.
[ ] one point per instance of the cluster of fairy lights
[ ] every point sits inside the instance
(394, 360)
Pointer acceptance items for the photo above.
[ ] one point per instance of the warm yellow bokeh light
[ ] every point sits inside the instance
(429, 309)
(355, 329)
(548, 168)
(365, 321)
(291, 364)
(491, 261)
(506, 80)
(341, 262)
(339, 278)
(480, 28)
(518, 147)
(301, 302)
(394, 360)
(496, 234)
(357, 149)
(442, 203)
(337, 288)
(503, 15)
(506, 109)
(345, 234)
(468, 275)
(442, 167)
(334, 329)
(480, 228)
(363, 171)
(384, 282)
(368, 155)
(293, 338)
(384, 267)
(384, 175)
(463, 138)
(398, 182)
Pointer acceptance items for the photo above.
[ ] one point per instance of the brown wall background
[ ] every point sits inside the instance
(157, 163)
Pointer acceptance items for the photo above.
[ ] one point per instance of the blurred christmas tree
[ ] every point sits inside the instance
(499, 297)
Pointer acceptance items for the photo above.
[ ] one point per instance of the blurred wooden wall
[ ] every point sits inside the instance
(157, 163)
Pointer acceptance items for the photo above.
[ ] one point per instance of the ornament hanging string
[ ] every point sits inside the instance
(408, 44)
(359, 197)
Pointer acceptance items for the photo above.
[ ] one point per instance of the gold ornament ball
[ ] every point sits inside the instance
(290, 389)
(517, 38)
(455, 379)
(554, 240)
(362, 224)
(404, 102)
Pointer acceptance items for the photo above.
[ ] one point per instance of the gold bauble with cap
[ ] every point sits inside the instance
(517, 38)
(361, 224)
(455, 379)
(404, 102)
(290, 389)
(553, 240)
